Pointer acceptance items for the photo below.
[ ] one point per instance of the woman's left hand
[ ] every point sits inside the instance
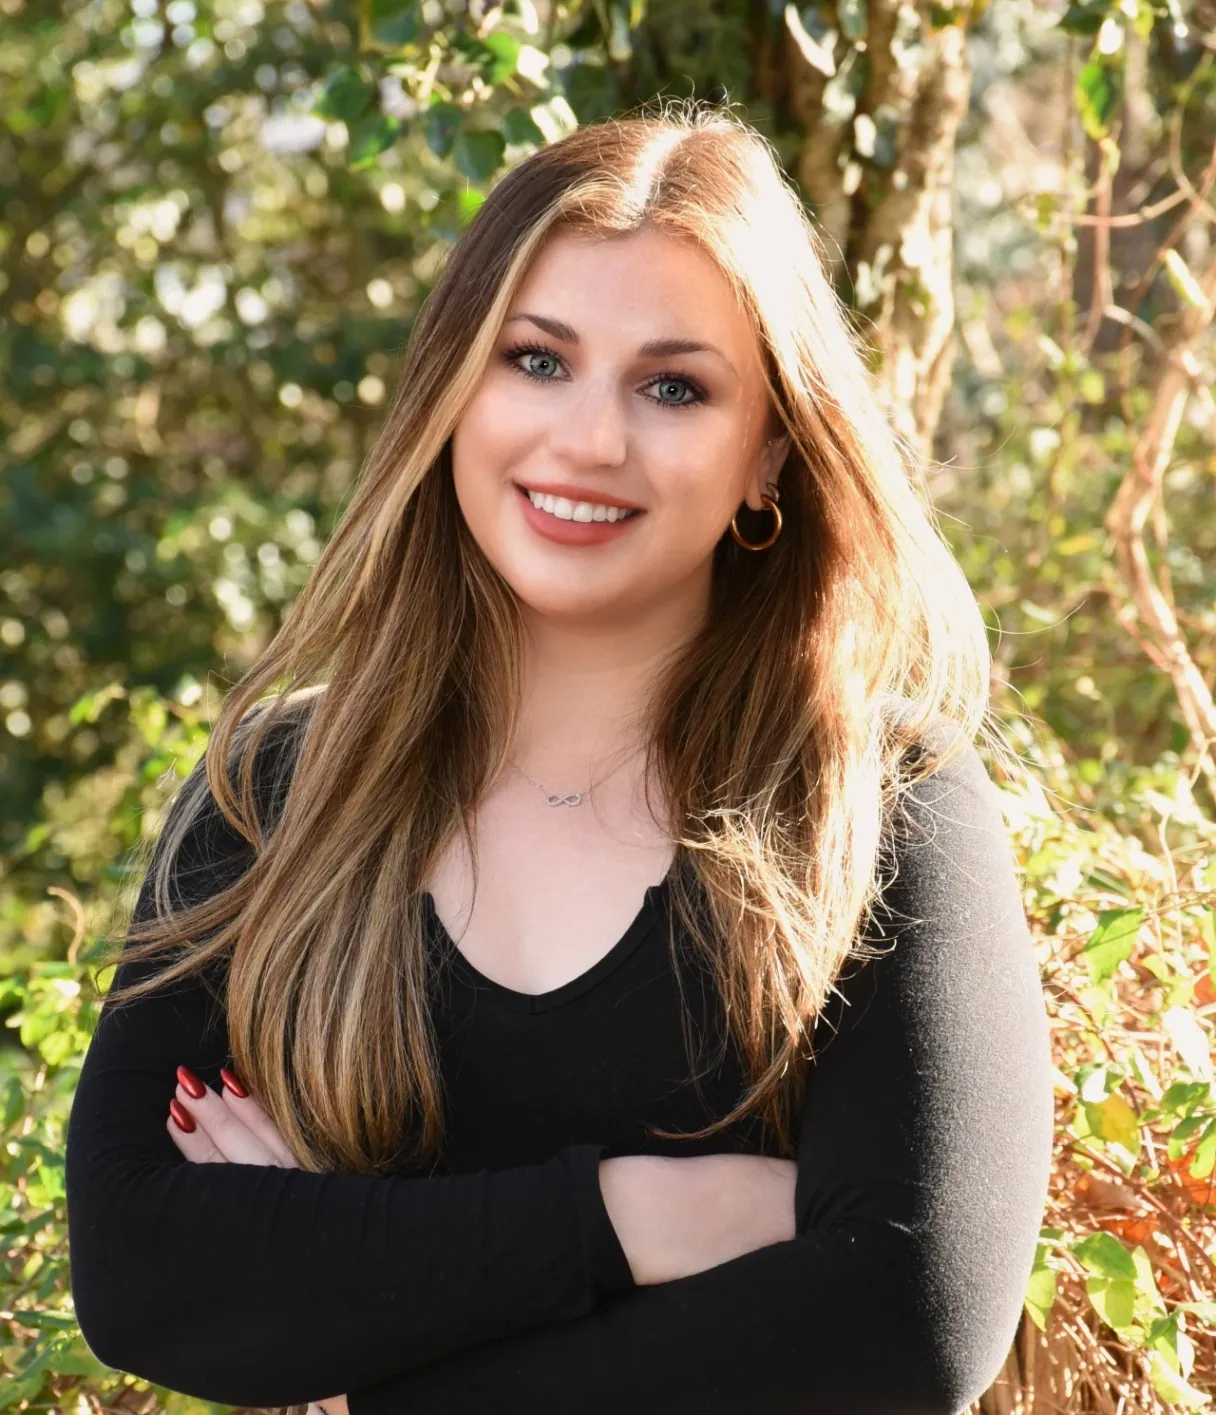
(231, 1127)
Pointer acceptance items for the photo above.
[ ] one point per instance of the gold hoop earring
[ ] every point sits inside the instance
(770, 505)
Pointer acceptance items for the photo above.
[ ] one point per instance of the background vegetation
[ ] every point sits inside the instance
(217, 220)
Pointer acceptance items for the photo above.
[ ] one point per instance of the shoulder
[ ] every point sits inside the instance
(203, 843)
(943, 789)
(946, 851)
(273, 735)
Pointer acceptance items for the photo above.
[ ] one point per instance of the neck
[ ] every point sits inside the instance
(587, 686)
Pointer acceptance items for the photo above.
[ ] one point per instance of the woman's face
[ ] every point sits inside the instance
(574, 405)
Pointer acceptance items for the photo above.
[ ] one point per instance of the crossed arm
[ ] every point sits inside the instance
(925, 1148)
(922, 1171)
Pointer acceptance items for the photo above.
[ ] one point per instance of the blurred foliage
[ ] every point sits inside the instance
(218, 219)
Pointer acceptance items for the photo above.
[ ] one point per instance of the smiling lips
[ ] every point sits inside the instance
(567, 510)
(570, 522)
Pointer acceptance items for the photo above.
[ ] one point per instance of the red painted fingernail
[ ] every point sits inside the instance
(181, 1116)
(192, 1085)
(233, 1082)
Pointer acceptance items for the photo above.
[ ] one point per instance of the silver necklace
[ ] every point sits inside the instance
(570, 798)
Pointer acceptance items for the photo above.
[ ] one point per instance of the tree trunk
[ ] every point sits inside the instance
(881, 111)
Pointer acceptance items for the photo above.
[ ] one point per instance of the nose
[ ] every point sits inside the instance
(593, 428)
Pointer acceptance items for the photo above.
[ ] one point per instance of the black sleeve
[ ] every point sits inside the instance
(259, 1286)
(923, 1164)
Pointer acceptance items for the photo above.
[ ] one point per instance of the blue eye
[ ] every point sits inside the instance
(543, 351)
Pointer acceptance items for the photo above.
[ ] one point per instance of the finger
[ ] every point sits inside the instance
(253, 1117)
(234, 1140)
(197, 1145)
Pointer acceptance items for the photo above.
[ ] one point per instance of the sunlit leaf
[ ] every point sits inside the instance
(1112, 941)
(1113, 1299)
(1146, 1281)
(1172, 1387)
(1098, 93)
(1104, 1256)
(1182, 278)
(1119, 1123)
(1190, 1040)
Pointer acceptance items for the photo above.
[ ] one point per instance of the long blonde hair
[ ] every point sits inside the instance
(780, 735)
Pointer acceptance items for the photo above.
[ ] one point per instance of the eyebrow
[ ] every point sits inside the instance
(659, 348)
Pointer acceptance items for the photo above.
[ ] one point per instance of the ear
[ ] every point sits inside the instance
(766, 479)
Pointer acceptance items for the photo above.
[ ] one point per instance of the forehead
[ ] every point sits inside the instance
(641, 285)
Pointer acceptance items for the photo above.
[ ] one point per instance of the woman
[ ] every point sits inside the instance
(638, 599)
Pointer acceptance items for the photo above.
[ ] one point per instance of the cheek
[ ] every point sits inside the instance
(487, 448)
(701, 493)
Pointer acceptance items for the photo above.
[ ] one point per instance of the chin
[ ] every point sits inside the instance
(567, 603)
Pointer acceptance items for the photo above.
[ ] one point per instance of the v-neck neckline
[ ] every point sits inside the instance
(649, 912)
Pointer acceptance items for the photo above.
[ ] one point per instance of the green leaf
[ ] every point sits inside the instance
(1204, 1310)
(443, 122)
(389, 25)
(1171, 1387)
(518, 127)
(1115, 1120)
(1112, 941)
(468, 204)
(503, 51)
(17, 1390)
(1098, 999)
(1098, 93)
(1183, 1096)
(45, 1320)
(37, 1357)
(1165, 1334)
(15, 1226)
(1114, 1300)
(1104, 1256)
(947, 13)
(369, 137)
(1144, 19)
(1146, 1281)
(1181, 1133)
(1040, 1296)
(1040, 1292)
(345, 96)
(174, 1403)
(1085, 18)
(1205, 1154)
(477, 154)
(1182, 278)
(92, 705)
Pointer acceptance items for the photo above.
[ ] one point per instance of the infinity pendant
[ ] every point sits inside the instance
(573, 799)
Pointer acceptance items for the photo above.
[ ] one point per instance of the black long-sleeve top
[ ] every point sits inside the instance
(495, 1282)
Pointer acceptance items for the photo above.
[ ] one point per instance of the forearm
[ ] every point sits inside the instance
(677, 1216)
(826, 1324)
(263, 1286)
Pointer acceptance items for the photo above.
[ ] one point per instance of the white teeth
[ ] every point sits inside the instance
(567, 510)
